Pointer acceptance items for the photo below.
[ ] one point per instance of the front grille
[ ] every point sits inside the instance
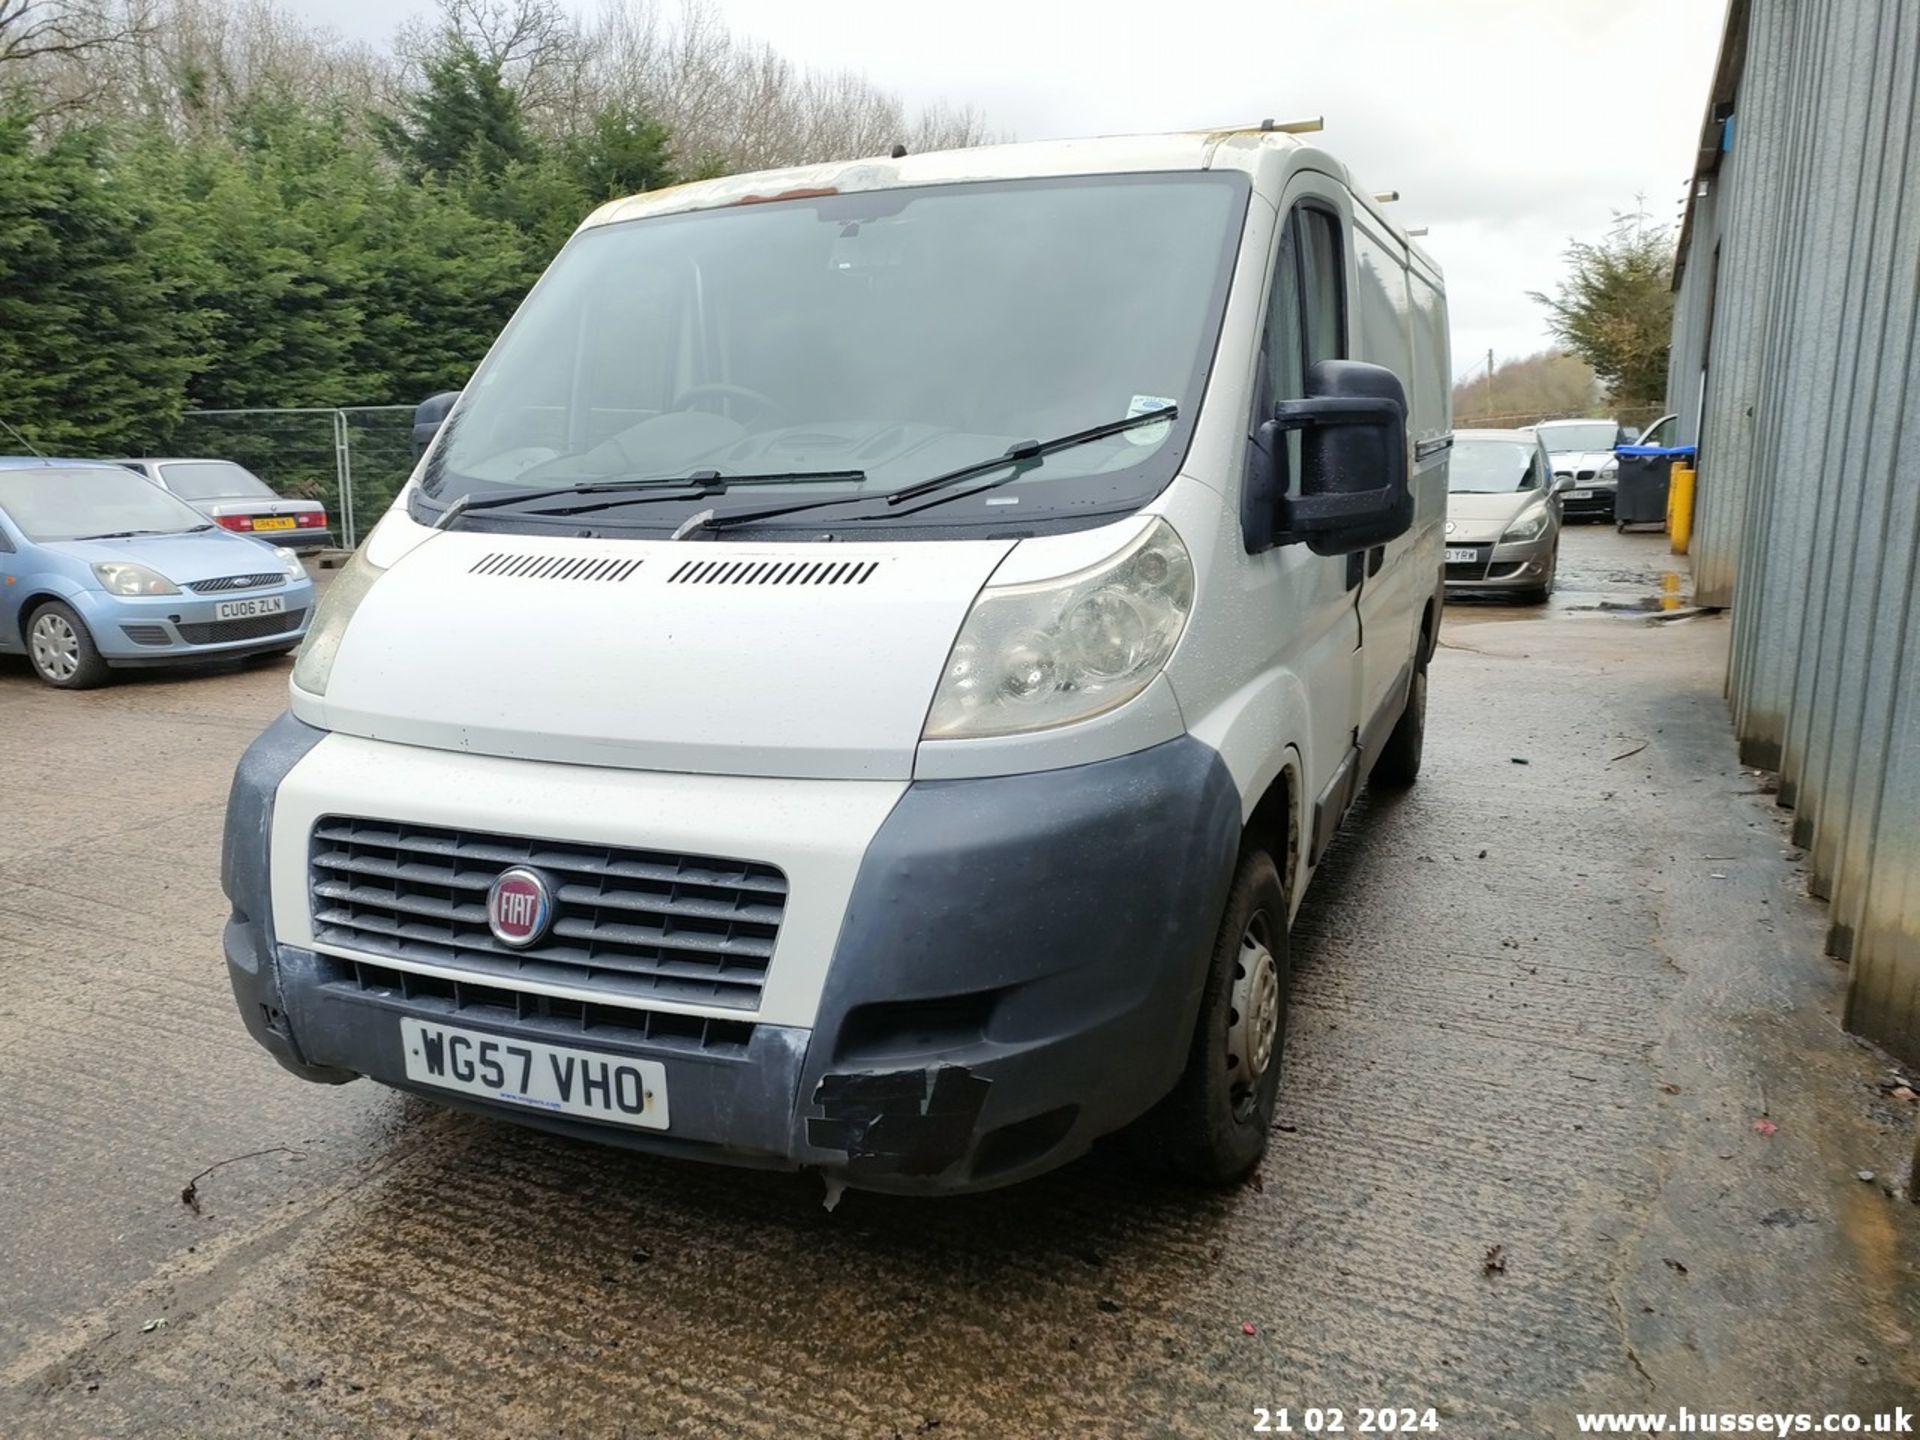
(254, 627)
(220, 585)
(146, 634)
(632, 925)
(546, 1017)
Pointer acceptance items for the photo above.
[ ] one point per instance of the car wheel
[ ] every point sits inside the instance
(1212, 1129)
(1399, 763)
(62, 649)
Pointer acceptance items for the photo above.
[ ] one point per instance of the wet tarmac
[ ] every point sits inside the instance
(1568, 1122)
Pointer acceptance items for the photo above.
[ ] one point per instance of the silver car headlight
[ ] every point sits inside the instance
(1529, 526)
(123, 577)
(1610, 470)
(1050, 652)
(289, 562)
(313, 666)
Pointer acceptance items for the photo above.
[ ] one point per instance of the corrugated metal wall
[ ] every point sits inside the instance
(1799, 291)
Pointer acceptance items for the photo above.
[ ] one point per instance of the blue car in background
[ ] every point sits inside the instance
(102, 569)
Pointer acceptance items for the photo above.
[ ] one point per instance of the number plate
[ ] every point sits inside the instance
(1462, 557)
(273, 522)
(247, 609)
(559, 1079)
(1579, 494)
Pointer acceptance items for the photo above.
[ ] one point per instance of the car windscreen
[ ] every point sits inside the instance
(1562, 438)
(213, 480)
(898, 333)
(56, 504)
(1490, 467)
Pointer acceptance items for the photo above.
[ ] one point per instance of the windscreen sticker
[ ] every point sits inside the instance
(1148, 434)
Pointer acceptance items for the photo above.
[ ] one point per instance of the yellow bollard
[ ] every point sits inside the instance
(1679, 508)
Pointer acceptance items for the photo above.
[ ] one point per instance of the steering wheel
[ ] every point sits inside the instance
(766, 404)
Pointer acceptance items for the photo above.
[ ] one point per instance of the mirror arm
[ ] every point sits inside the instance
(1358, 410)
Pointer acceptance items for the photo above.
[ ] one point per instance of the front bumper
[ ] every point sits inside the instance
(1016, 971)
(1522, 565)
(178, 629)
(1595, 504)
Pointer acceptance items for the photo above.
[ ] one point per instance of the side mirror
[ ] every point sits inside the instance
(1561, 484)
(428, 417)
(1353, 491)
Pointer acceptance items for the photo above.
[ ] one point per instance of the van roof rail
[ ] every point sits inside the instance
(1309, 126)
(1385, 197)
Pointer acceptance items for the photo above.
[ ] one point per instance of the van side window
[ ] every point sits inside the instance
(1306, 315)
(1322, 274)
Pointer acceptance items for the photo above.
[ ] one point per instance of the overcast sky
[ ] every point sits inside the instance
(1508, 126)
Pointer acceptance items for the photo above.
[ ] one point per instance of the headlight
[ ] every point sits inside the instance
(1610, 470)
(313, 666)
(1528, 526)
(1049, 653)
(289, 562)
(123, 577)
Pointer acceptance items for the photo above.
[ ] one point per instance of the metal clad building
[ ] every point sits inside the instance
(1796, 366)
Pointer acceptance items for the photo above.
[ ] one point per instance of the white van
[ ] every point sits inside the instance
(865, 672)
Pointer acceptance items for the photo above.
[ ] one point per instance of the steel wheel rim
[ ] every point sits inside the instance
(56, 647)
(1253, 1016)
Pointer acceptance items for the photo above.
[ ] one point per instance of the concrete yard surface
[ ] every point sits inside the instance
(1568, 1122)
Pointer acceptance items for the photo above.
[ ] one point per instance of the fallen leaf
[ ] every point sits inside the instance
(1764, 1127)
(1674, 1265)
(153, 1325)
(1247, 1327)
(1496, 1261)
(1671, 1088)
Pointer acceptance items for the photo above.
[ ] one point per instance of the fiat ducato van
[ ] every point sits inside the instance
(863, 675)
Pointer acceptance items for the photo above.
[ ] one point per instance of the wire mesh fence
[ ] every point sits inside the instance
(354, 460)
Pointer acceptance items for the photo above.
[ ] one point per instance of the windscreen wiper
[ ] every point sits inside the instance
(693, 485)
(126, 534)
(1016, 460)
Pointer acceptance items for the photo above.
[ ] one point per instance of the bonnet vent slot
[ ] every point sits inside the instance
(773, 572)
(510, 566)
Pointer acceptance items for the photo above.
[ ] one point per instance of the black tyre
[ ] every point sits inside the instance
(62, 649)
(1399, 763)
(1213, 1128)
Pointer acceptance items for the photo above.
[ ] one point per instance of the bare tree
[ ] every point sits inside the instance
(43, 30)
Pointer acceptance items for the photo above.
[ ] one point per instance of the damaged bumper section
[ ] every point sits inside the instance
(1017, 972)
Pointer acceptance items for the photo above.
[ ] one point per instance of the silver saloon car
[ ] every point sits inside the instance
(1583, 460)
(1503, 515)
(236, 499)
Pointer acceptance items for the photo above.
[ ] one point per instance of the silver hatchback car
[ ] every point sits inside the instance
(1503, 514)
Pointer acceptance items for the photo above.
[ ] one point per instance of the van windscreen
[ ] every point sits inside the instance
(895, 333)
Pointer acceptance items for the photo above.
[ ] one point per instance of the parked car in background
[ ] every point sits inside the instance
(236, 499)
(1503, 514)
(1582, 452)
(101, 569)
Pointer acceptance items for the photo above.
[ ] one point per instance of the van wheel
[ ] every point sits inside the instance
(1213, 1128)
(1399, 763)
(62, 648)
